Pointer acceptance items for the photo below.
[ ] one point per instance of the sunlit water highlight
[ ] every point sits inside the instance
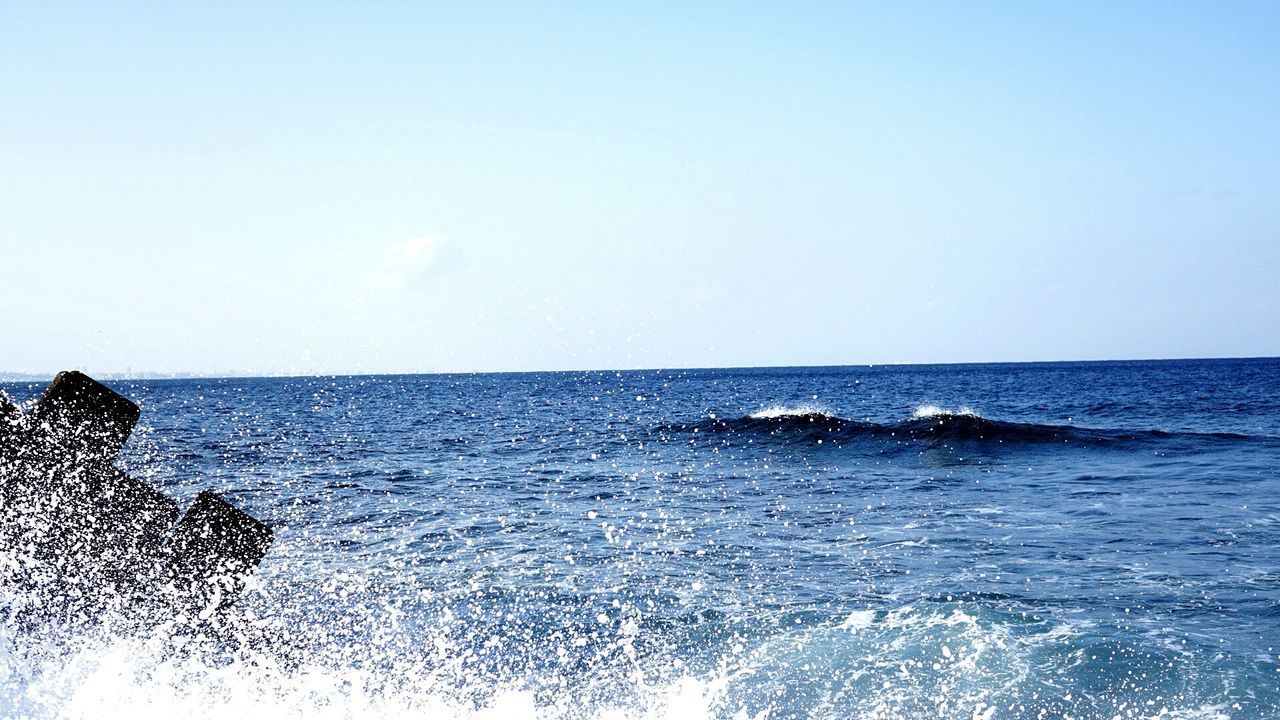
(1016, 541)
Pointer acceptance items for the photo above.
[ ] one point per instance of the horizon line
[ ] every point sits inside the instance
(26, 377)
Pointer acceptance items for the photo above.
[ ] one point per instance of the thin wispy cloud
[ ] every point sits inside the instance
(409, 264)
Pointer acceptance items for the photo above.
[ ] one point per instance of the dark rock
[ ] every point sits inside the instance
(10, 425)
(82, 418)
(214, 548)
(84, 537)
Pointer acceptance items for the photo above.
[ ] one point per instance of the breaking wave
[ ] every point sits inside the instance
(783, 411)
(928, 424)
(931, 658)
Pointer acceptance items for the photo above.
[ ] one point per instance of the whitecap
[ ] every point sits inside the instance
(927, 411)
(781, 411)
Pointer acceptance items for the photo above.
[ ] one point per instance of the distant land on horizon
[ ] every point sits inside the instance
(19, 377)
(47, 376)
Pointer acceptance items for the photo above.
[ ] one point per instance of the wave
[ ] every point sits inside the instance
(782, 411)
(775, 422)
(928, 424)
(929, 411)
(955, 656)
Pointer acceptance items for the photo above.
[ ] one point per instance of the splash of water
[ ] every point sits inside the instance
(924, 412)
(774, 412)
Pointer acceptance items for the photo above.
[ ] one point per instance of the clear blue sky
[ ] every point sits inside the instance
(388, 187)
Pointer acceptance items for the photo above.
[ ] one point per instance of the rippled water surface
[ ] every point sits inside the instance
(1085, 540)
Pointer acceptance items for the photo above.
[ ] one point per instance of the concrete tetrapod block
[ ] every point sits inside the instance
(84, 419)
(10, 425)
(95, 525)
(86, 536)
(214, 548)
(61, 478)
(126, 523)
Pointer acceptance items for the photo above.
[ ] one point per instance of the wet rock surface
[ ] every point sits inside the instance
(80, 538)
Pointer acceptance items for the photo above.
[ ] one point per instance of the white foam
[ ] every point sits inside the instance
(781, 411)
(928, 411)
(858, 620)
(137, 679)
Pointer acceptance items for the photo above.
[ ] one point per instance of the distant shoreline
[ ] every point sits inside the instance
(24, 377)
(19, 377)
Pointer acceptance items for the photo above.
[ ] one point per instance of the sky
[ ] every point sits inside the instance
(314, 188)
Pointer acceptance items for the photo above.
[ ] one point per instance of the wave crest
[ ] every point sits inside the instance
(774, 412)
(930, 411)
(928, 424)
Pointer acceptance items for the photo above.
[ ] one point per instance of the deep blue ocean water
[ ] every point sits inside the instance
(1061, 540)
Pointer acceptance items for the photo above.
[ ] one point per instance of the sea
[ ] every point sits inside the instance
(1090, 540)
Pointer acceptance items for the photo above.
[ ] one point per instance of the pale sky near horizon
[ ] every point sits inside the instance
(388, 187)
